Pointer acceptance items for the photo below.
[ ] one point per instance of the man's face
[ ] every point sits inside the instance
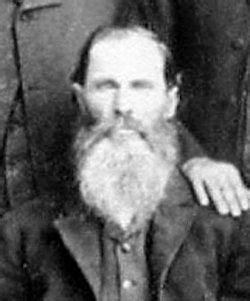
(125, 81)
(122, 173)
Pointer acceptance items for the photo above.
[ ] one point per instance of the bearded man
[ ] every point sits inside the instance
(135, 232)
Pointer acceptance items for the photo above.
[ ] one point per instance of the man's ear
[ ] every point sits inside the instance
(172, 102)
(78, 91)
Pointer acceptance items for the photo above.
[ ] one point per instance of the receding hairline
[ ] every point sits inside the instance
(119, 34)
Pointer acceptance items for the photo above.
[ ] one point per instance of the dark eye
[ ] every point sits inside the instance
(142, 84)
(105, 85)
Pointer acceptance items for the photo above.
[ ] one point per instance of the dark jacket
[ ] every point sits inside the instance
(210, 42)
(8, 79)
(40, 41)
(192, 253)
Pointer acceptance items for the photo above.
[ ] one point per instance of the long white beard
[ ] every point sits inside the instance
(123, 179)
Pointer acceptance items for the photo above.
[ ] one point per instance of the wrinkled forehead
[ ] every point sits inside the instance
(134, 51)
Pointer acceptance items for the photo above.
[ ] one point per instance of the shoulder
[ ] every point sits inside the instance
(33, 216)
(206, 220)
(227, 233)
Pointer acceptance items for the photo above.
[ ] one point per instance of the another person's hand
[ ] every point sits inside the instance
(218, 182)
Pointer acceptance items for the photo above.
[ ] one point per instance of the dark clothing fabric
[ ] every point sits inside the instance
(8, 81)
(192, 253)
(124, 267)
(40, 41)
(246, 120)
(210, 43)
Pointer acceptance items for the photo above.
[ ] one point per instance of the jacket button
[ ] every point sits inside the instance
(126, 247)
(127, 284)
(238, 44)
(244, 93)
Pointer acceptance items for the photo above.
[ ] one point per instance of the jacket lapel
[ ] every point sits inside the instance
(30, 5)
(169, 229)
(81, 237)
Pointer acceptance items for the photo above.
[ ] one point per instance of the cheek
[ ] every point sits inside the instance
(150, 108)
(100, 107)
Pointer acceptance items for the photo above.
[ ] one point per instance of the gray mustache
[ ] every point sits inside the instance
(102, 131)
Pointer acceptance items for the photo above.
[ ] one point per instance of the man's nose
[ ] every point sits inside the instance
(123, 103)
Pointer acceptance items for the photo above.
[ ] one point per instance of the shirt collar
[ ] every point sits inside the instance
(114, 232)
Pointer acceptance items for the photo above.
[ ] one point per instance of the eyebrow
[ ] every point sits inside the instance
(142, 83)
(100, 82)
(135, 83)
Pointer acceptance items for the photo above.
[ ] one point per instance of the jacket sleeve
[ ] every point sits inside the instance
(13, 274)
(236, 286)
